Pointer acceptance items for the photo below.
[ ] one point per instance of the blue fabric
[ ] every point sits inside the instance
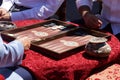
(22, 72)
(11, 54)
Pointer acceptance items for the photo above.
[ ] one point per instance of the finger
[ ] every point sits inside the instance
(96, 22)
(100, 22)
(27, 47)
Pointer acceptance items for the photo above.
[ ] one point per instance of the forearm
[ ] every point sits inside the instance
(83, 10)
(11, 54)
(84, 6)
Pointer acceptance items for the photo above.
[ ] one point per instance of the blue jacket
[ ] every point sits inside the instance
(11, 53)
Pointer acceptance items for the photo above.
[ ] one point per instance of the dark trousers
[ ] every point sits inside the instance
(0, 2)
(109, 29)
(25, 74)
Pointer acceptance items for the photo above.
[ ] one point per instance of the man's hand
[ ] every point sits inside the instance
(25, 41)
(4, 15)
(92, 21)
(3, 11)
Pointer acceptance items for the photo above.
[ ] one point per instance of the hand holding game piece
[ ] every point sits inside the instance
(26, 41)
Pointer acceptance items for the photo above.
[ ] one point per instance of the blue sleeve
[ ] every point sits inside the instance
(11, 54)
(84, 2)
(45, 10)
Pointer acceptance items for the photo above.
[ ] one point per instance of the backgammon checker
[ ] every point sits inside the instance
(53, 38)
(6, 25)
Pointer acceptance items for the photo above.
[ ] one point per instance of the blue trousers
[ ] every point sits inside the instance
(16, 73)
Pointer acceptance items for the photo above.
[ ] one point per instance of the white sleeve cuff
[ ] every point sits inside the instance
(84, 2)
(7, 5)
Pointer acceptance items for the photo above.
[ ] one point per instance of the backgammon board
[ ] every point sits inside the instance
(54, 38)
(63, 45)
(39, 31)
